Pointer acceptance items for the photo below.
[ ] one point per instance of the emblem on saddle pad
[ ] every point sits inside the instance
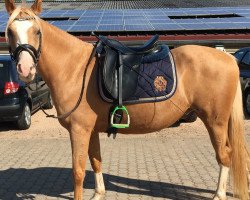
(160, 83)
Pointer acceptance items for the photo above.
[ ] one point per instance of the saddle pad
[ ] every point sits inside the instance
(156, 81)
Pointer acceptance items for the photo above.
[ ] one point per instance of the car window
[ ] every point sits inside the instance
(246, 58)
(239, 54)
(4, 72)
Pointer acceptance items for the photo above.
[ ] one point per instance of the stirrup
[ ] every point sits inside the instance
(126, 125)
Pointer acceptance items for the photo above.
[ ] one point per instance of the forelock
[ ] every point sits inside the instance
(20, 12)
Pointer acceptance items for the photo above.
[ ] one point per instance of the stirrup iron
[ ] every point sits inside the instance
(114, 125)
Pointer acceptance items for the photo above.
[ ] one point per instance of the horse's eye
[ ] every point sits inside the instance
(38, 32)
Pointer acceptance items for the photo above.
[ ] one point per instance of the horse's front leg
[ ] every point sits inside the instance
(80, 144)
(95, 160)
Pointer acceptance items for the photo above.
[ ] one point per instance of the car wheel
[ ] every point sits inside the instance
(247, 102)
(49, 103)
(25, 120)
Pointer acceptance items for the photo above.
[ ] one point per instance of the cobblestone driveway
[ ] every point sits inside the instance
(158, 166)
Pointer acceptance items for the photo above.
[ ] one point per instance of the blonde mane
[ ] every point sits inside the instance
(20, 12)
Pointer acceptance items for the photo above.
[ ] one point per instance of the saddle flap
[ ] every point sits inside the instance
(131, 61)
(110, 73)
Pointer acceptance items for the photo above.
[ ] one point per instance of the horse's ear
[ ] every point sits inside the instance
(37, 7)
(10, 6)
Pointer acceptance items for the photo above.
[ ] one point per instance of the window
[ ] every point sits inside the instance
(246, 58)
(239, 54)
(4, 72)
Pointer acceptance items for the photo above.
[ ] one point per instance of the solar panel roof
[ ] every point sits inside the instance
(128, 20)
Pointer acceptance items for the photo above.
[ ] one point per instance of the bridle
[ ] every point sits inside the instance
(34, 53)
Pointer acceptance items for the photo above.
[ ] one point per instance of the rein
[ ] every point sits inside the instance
(65, 115)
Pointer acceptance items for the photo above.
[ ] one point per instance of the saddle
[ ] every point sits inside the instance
(121, 65)
(120, 68)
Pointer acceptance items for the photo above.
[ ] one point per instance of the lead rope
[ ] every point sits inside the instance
(65, 115)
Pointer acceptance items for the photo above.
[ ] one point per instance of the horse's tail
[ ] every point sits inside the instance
(238, 144)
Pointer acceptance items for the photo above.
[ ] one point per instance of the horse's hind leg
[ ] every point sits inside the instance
(218, 131)
(95, 160)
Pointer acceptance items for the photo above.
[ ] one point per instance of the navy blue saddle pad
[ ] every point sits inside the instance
(157, 79)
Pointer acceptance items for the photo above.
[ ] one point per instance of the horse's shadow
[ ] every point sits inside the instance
(55, 182)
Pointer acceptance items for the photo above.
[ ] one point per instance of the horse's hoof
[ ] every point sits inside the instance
(98, 196)
(216, 197)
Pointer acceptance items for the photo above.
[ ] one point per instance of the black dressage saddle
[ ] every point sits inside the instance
(121, 65)
(119, 71)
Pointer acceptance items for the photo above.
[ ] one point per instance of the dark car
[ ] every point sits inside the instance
(17, 99)
(243, 59)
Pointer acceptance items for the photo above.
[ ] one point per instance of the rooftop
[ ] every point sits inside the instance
(137, 4)
(173, 20)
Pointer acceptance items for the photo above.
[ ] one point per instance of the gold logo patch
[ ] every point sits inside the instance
(160, 83)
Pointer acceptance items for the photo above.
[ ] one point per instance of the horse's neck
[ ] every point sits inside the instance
(63, 56)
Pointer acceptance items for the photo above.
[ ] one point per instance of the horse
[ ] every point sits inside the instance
(208, 83)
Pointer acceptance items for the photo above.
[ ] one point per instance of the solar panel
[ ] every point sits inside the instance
(247, 25)
(214, 20)
(144, 27)
(112, 17)
(50, 15)
(134, 17)
(57, 11)
(137, 12)
(82, 28)
(91, 18)
(113, 11)
(243, 11)
(94, 14)
(64, 27)
(196, 12)
(112, 21)
(86, 22)
(153, 12)
(186, 21)
(222, 26)
(162, 27)
(72, 15)
(239, 19)
(219, 12)
(64, 23)
(246, 15)
(2, 28)
(76, 11)
(3, 20)
(199, 26)
(135, 22)
(157, 17)
(175, 13)
(143, 19)
(110, 28)
(161, 21)
(93, 11)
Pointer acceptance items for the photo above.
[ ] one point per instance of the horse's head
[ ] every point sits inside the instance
(23, 33)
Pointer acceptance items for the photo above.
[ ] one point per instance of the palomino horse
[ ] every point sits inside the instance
(208, 82)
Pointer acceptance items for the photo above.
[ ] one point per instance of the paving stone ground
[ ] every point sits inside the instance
(174, 167)
(176, 163)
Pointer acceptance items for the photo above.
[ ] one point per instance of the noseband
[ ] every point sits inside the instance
(34, 53)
